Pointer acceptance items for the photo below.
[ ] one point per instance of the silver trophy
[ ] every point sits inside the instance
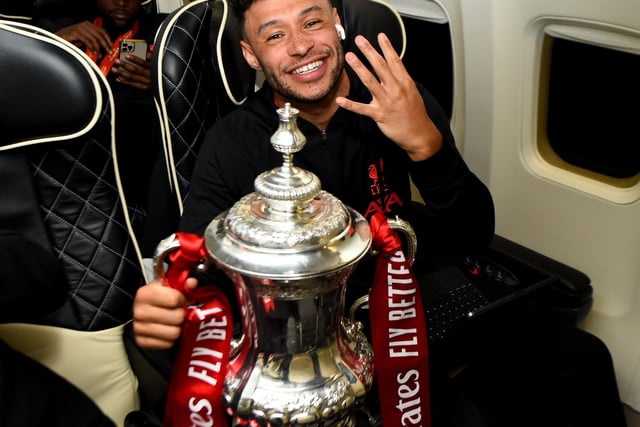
(290, 248)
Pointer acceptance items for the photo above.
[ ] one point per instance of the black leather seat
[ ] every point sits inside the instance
(57, 113)
(194, 51)
(191, 92)
(190, 83)
(57, 127)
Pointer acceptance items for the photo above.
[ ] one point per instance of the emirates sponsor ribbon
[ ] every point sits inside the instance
(195, 391)
(110, 58)
(398, 333)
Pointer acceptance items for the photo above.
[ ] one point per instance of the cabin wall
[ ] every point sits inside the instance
(168, 6)
(584, 219)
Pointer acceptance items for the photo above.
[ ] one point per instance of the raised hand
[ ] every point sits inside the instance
(397, 106)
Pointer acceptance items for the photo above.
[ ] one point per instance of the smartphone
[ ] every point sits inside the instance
(135, 47)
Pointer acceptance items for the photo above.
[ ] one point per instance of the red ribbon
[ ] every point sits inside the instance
(399, 333)
(398, 327)
(195, 391)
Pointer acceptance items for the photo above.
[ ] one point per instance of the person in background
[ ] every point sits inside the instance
(137, 125)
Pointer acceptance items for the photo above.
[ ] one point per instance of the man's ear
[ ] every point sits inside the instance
(336, 16)
(249, 56)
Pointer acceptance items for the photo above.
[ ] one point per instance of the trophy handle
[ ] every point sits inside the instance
(166, 245)
(405, 228)
(164, 248)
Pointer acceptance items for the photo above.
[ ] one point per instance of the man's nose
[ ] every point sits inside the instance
(300, 43)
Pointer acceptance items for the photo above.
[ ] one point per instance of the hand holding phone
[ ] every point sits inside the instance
(135, 47)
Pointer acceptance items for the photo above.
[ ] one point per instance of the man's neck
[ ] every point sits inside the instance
(319, 113)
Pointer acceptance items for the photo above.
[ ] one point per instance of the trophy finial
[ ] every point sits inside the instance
(288, 139)
(287, 188)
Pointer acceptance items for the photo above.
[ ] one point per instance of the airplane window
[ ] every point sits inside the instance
(593, 118)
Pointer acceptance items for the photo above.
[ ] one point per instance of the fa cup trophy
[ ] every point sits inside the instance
(289, 248)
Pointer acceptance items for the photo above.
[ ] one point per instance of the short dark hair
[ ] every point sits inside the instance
(239, 7)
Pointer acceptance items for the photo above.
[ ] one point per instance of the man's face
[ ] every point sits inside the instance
(295, 44)
(121, 12)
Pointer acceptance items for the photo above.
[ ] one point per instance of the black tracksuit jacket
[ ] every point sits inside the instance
(355, 162)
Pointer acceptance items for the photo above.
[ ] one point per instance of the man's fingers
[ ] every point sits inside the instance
(156, 294)
(154, 335)
(391, 57)
(348, 104)
(366, 77)
(132, 59)
(360, 69)
(380, 64)
(96, 37)
(158, 315)
(135, 75)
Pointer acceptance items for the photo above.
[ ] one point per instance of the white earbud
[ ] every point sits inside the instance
(340, 30)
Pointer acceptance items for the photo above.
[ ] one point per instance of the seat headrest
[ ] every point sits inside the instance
(365, 17)
(368, 18)
(47, 90)
(237, 77)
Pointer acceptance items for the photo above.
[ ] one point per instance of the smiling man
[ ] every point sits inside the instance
(369, 133)
(366, 137)
(364, 140)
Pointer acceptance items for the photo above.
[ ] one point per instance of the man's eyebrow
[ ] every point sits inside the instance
(303, 12)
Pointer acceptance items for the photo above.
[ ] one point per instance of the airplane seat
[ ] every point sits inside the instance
(368, 18)
(188, 81)
(200, 75)
(61, 193)
(190, 94)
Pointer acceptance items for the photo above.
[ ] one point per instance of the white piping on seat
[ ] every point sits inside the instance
(29, 30)
(223, 72)
(94, 74)
(166, 132)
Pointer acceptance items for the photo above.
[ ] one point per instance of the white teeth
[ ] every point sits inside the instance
(309, 67)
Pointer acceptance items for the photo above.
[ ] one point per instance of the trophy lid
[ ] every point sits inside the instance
(289, 228)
